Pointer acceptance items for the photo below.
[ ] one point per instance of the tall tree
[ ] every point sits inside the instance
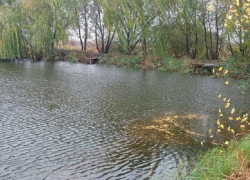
(134, 20)
(104, 33)
(123, 15)
(80, 13)
(33, 26)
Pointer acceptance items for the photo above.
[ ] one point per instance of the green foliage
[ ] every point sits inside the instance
(172, 64)
(238, 68)
(128, 61)
(28, 27)
(124, 15)
(237, 23)
(158, 28)
(133, 20)
(220, 162)
(12, 43)
(72, 57)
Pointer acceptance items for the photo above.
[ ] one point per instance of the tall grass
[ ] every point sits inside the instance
(221, 162)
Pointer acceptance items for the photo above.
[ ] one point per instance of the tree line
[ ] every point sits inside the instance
(198, 29)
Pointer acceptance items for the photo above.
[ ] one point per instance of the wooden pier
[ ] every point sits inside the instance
(202, 67)
(92, 60)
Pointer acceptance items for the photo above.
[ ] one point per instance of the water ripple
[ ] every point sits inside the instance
(72, 121)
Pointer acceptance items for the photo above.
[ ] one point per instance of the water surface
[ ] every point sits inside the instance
(75, 121)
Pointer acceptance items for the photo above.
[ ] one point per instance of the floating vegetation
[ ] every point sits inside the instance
(171, 127)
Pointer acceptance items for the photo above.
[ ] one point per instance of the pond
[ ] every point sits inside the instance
(74, 121)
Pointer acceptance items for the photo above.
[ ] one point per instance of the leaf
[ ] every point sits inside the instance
(233, 111)
(227, 104)
(210, 130)
(210, 6)
(238, 118)
(238, 2)
(242, 126)
(220, 69)
(245, 116)
(219, 96)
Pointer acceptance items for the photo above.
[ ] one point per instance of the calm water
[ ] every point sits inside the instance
(74, 121)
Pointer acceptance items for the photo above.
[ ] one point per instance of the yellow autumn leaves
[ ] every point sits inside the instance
(239, 122)
(239, 14)
(210, 5)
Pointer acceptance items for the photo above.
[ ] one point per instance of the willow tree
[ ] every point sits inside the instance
(122, 14)
(46, 24)
(80, 22)
(30, 27)
(134, 20)
(103, 33)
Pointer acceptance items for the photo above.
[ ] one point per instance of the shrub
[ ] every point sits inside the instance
(72, 57)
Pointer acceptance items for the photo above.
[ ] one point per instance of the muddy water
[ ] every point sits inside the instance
(75, 121)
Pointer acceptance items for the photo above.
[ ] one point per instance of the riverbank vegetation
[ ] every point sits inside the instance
(151, 30)
(231, 162)
(161, 34)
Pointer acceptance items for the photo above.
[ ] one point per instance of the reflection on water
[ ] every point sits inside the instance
(75, 121)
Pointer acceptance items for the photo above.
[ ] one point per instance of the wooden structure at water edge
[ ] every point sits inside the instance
(204, 67)
(92, 60)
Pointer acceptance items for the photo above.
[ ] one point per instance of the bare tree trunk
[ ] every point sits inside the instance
(196, 43)
(211, 40)
(241, 42)
(205, 36)
(230, 45)
(144, 49)
(217, 33)
(187, 45)
(85, 28)
(96, 40)
(79, 28)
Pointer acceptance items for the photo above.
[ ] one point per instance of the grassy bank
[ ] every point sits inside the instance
(230, 162)
(167, 64)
